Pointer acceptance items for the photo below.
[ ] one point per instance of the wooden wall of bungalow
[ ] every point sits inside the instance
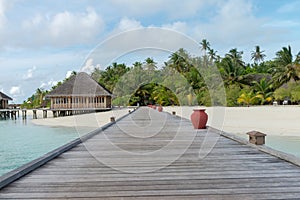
(3, 104)
(80, 102)
(4, 100)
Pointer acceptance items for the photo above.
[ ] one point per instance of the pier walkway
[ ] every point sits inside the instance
(148, 155)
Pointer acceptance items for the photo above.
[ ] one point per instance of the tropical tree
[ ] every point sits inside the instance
(264, 90)
(205, 46)
(231, 72)
(290, 91)
(257, 55)
(164, 96)
(138, 64)
(286, 68)
(212, 55)
(179, 61)
(150, 64)
(236, 57)
(247, 98)
(112, 74)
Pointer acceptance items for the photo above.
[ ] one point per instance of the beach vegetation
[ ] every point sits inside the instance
(263, 90)
(289, 91)
(286, 68)
(185, 79)
(248, 98)
(37, 100)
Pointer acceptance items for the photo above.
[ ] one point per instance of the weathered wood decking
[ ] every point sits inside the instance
(144, 168)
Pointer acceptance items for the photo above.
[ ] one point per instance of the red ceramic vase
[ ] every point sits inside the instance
(199, 118)
(159, 108)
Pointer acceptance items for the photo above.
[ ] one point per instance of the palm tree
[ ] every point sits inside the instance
(178, 61)
(205, 45)
(212, 54)
(150, 64)
(164, 96)
(264, 90)
(247, 98)
(231, 72)
(39, 95)
(137, 65)
(287, 69)
(257, 55)
(236, 57)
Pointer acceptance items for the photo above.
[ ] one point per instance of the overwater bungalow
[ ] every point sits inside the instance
(4, 100)
(80, 92)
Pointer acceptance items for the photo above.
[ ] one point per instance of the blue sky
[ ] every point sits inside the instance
(41, 41)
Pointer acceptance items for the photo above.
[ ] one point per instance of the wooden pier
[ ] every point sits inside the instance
(14, 113)
(143, 169)
(9, 113)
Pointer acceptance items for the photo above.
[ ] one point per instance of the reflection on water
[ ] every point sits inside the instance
(22, 142)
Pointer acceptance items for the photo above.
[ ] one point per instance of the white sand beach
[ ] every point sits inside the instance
(272, 120)
(83, 123)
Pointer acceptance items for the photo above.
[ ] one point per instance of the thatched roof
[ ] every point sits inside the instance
(5, 97)
(79, 85)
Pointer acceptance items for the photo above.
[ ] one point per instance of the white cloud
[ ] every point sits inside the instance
(33, 22)
(63, 28)
(126, 24)
(68, 26)
(177, 26)
(48, 85)
(234, 25)
(15, 90)
(29, 73)
(68, 74)
(89, 66)
(2, 13)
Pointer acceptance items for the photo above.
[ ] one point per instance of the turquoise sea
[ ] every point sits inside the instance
(21, 142)
(286, 144)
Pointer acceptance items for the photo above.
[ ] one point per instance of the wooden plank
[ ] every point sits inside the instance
(293, 191)
(31, 166)
(232, 170)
